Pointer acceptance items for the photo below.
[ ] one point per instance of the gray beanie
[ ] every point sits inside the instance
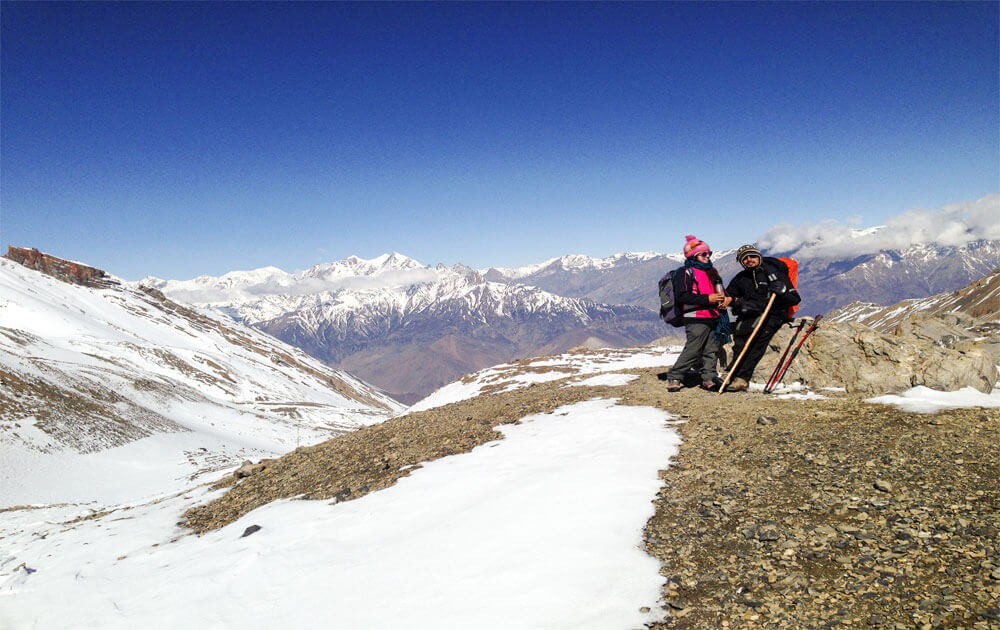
(746, 250)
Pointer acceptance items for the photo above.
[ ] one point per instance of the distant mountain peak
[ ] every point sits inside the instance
(579, 262)
(354, 266)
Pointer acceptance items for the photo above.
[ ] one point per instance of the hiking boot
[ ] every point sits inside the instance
(673, 385)
(738, 385)
(710, 386)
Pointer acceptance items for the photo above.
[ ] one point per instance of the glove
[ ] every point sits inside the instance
(775, 286)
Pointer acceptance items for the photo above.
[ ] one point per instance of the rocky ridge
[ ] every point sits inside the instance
(935, 351)
(65, 270)
(980, 299)
(832, 513)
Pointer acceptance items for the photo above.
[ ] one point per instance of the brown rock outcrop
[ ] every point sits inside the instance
(65, 270)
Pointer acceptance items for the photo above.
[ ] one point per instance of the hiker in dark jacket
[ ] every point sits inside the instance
(698, 291)
(750, 291)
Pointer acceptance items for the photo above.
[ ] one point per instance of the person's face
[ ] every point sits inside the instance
(704, 256)
(750, 261)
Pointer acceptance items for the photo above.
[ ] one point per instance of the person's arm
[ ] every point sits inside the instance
(743, 302)
(684, 291)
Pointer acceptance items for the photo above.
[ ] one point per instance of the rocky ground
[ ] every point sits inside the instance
(776, 513)
(834, 513)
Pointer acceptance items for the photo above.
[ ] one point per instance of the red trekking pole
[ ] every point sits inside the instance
(795, 352)
(772, 381)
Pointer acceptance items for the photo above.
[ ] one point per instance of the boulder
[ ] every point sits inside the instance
(934, 351)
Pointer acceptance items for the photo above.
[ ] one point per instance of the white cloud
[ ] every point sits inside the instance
(952, 225)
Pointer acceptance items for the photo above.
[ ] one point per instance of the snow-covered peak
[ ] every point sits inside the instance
(579, 262)
(353, 266)
(230, 286)
(238, 287)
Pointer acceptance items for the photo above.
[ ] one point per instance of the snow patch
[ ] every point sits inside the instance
(924, 400)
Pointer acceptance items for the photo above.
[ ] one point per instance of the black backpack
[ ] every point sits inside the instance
(670, 311)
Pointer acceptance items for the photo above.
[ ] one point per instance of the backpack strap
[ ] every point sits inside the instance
(686, 276)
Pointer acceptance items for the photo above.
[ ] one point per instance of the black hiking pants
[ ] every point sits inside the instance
(741, 332)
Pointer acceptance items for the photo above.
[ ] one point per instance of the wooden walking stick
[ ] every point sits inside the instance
(746, 346)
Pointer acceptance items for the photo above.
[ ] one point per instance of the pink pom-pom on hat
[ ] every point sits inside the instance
(695, 246)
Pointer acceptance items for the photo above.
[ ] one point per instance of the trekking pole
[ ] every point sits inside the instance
(795, 352)
(771, 380)
(746, 346)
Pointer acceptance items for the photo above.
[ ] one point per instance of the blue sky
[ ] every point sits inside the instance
(180, 139)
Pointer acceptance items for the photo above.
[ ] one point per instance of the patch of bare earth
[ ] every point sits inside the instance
(776, 513)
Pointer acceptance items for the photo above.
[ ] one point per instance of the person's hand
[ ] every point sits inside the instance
(726, 301)
(775, 285)
(716, 298)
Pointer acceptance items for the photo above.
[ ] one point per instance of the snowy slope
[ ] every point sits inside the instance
(159, 390)
(539, 530)
(981, 300)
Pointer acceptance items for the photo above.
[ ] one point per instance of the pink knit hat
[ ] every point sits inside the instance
(695, 246)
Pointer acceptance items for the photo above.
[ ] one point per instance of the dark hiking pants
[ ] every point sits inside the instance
(700, 352)
(755, 353)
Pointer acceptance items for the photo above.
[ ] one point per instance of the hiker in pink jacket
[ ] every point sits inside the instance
(699, 293)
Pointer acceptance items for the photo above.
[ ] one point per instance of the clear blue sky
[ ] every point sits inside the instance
(179, 139)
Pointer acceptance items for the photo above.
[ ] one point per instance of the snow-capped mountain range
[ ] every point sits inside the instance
(125, 370)
(882, 277)
(889, 276)
(410, 328)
